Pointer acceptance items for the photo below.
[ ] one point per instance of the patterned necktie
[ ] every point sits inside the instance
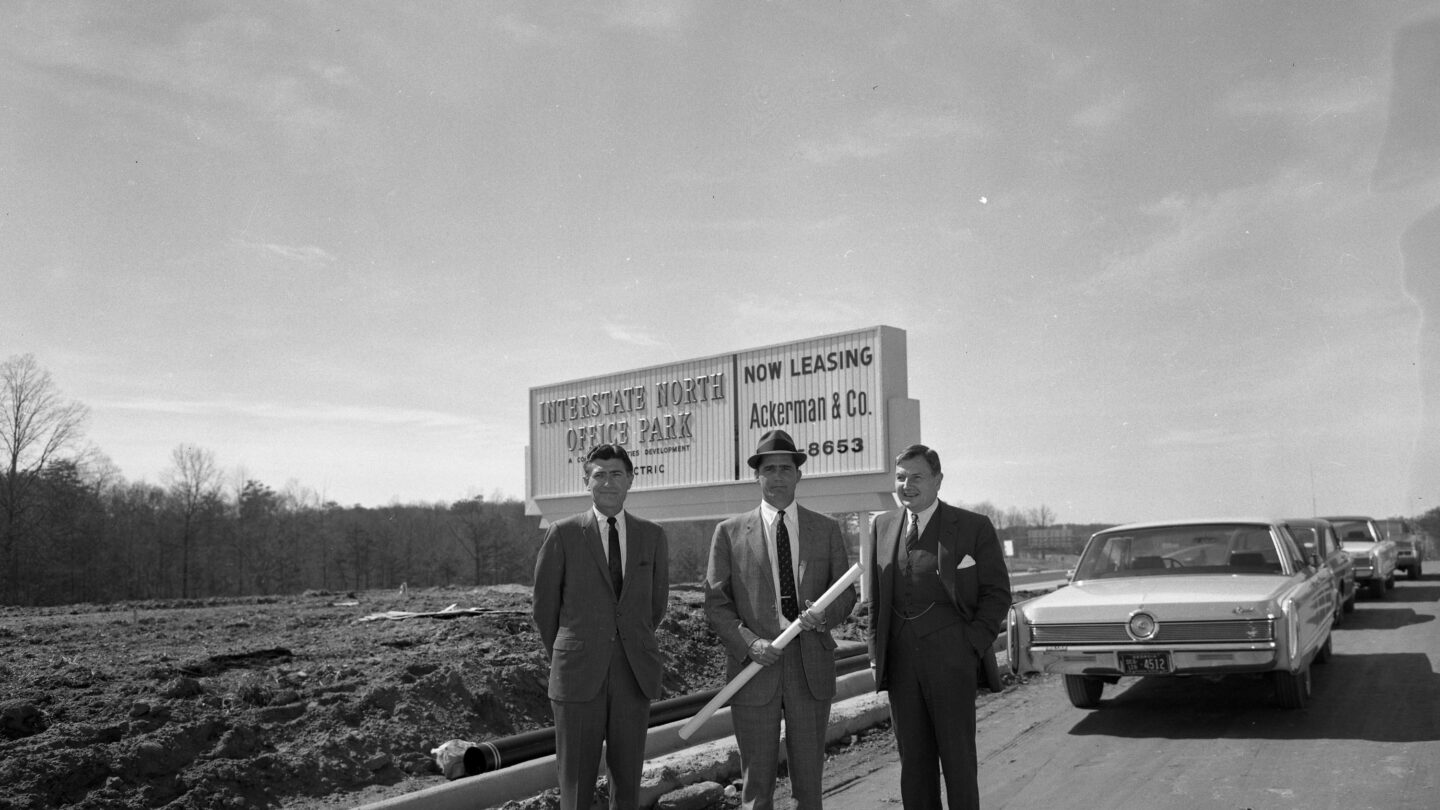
(912, 534)
(617, 575)
(789, 605)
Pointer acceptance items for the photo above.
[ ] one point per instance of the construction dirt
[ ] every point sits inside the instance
(280, 702)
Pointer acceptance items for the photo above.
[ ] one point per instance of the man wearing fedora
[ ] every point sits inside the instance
(602, 585)
(767, 566)
(938, 590)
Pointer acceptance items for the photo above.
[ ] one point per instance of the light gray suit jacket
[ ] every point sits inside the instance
(741, 603)
(578, 613)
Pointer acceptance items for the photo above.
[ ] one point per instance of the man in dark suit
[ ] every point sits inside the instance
(938, 590)
(767, 566)
(602, 582)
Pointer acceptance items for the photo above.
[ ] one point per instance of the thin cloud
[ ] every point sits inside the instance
(1304, 98)
(304, 254)
(1190, 229)
(888, 133)
(275, 411)
(652, 16)
(525, 32)
(1104, 115)
(634, 337)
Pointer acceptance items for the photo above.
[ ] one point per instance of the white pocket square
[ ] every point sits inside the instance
(966, 562)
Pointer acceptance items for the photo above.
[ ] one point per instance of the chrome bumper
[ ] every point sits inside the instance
(1190, 660)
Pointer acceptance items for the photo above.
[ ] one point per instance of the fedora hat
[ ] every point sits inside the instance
(775, 441)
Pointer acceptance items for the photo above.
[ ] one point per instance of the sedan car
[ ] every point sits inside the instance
(1409, 546)
(1193, 597)
(1320, 545)
(1375, 555)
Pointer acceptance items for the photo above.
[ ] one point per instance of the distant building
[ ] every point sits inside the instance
(1050, 540)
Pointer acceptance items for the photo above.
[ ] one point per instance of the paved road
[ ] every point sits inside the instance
(1370, 739)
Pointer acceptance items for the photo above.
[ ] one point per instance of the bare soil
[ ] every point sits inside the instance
(279, 702)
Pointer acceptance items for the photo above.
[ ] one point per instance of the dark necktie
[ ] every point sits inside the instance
(912, 534)
(617, 571)
(789, 604)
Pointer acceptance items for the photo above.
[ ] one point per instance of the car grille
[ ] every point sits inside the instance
(1169, 633)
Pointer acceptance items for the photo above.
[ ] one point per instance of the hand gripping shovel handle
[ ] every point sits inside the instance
(789, 633)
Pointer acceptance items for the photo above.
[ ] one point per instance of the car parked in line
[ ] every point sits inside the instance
(1409, 545)
(1319, 544)
(1193, 597)
(1374, 554)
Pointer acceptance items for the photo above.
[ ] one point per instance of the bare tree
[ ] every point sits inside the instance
(1041, 516)
(473, 529)
(36, 426)
(194, 483)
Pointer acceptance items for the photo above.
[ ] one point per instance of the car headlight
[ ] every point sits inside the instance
(1142, 626)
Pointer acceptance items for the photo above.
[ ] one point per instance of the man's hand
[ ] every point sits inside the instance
(763, 653)
(812, 619)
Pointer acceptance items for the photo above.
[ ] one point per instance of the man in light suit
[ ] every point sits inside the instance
(602, 582)
(766, 568)
(938, 589)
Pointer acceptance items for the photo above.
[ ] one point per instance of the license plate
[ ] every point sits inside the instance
(1145, 663)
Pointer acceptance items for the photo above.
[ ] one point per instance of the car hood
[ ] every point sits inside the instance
(1359, 548)
(1199, 597)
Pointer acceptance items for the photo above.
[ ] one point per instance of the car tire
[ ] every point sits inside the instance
(1415, 571)
(1322, 655)
(1084, 690)
(1292, 689)
(1349, 606)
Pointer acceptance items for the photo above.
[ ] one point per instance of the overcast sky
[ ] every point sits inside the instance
(1141, 251)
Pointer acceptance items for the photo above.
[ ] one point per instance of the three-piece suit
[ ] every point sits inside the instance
(928, 660)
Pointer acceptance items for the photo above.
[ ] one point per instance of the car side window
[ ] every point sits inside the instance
(1307, 539)
(1287, 547)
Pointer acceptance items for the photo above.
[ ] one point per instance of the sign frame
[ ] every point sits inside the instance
(821, 390)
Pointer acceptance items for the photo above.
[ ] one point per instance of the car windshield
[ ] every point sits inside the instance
(1222, 548)
(1353, 531)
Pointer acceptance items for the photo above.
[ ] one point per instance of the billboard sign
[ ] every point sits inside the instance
(693, 424)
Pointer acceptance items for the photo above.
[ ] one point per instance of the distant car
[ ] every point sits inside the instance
(1318, 542)
(1374, 554)
(1409, 545)
(1181, 598)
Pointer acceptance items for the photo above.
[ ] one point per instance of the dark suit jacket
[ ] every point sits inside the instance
(578, 613)
(981, 593)
(741, 603)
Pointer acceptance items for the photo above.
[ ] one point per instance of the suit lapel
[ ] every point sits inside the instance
(755, 539)
(944, 539)
(887, 537)
(950, 554)
(593, 547)
(634, 540)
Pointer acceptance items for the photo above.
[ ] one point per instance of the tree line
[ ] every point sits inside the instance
(73, 529)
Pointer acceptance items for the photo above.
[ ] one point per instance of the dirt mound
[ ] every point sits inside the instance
(278, 702)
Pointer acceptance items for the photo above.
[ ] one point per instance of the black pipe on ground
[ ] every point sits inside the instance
(516, 748)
